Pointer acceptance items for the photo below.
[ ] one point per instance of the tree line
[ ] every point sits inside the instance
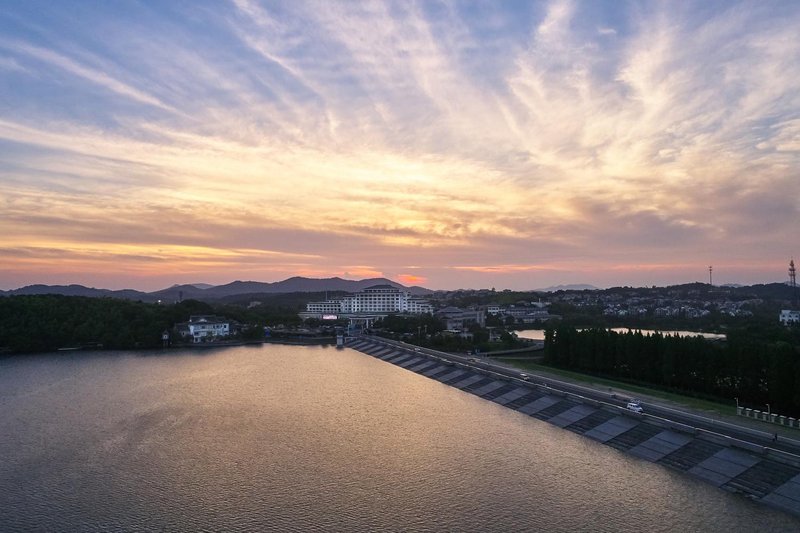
(756, 366)
(428, 331)
(42, 323)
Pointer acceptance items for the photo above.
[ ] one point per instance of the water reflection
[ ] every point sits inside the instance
(298, 438)
(538, 334)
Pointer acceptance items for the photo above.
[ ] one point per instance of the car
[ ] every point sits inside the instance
(524, 377)
(474, 360)
(634, 406)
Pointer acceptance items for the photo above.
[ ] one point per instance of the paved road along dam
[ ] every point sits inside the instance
(756, 471)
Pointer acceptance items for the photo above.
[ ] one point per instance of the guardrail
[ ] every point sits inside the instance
(767, 416)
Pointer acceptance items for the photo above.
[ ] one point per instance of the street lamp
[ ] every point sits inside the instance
(737, 404)
(768, 411)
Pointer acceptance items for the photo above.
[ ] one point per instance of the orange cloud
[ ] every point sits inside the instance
(360, 271)
(411, 279)
(504, 268)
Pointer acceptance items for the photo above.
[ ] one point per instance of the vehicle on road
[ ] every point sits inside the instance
(635, 406)
(524, 377)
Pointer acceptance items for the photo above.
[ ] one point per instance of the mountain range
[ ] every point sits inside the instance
(575, 287)
(252, 290)
(202, 291)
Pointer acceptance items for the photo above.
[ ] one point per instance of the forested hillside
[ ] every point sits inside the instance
(39, 323)
(46, 322)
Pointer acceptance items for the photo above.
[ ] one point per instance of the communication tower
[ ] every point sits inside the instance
(710, 279)
(793, 280)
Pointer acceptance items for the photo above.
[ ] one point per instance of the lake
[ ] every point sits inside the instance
(295, 438)
(538, 334)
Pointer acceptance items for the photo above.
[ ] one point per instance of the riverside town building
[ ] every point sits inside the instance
(789, 316)
(203, 328)
(375, 300)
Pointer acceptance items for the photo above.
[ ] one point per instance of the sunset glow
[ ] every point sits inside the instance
(497, 144)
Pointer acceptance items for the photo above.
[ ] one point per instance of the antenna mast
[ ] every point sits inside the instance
(793, 279)
(710, 279)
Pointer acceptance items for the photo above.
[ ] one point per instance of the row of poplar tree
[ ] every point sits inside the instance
(755, 370)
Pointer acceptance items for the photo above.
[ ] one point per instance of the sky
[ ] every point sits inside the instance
(448, 144)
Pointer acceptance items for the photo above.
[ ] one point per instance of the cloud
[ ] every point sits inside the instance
(463, 139)
(361, 272)
(95, 76)
(11, 64)
(411, 279)
(503, 268)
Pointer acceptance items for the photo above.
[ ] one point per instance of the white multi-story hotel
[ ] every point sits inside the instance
(378, 299)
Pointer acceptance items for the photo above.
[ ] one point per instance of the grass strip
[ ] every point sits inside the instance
(688, 401)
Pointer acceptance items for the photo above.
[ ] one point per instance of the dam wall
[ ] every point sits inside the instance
(758, 472)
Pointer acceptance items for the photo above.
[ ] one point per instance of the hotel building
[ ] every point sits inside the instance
(375, 300)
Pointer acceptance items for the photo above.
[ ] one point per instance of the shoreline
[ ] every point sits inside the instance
(310, 341)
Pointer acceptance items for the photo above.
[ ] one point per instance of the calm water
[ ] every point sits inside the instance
(538, 334)
(306, 438)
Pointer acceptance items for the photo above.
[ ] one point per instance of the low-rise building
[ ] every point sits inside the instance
(329, 307)
(204, 328)
(789, 316)
(459, 319)
(528, 314)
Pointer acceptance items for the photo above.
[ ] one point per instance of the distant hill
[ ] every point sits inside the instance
(256, 289)
(766, 291)
(575, 287)
(210, 292)
(769, 291)
(80, 290)
(299, 284)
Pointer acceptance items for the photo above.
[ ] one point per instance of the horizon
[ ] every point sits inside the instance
(446, 145)
(497, 289)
